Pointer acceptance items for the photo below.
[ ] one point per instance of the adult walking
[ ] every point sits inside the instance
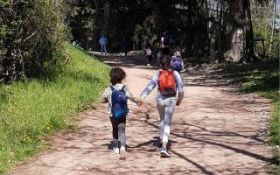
(103, 42)
(165, 43)
(125, 45)
(169, 83)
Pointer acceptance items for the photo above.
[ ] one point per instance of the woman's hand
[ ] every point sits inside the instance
(178, 103)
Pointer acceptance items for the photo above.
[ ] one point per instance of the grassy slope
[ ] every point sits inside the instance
(266, 83)
(29, 110)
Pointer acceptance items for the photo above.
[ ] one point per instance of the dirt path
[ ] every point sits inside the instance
(214, 131)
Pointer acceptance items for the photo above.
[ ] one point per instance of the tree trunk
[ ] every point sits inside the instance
(189, 34)
(240, 38)
(220, 31)
(106, 16)
(249, 45)
(272, 27)
(97, 23)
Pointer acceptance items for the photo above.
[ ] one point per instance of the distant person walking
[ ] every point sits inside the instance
(169, 83)
(149, 55)
(165, 43)
(177, 62)
(103, 42)
(125, 45)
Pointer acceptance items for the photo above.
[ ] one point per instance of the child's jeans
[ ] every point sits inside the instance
(166, 106)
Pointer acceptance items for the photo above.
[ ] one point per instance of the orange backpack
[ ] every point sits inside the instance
(167, 83)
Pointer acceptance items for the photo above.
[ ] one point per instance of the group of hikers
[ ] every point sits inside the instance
(164, 48)
(170, 94)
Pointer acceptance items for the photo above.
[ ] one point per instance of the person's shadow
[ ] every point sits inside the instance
(155, 142)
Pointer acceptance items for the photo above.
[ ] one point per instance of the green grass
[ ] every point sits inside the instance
(33, 109)
(266, 83)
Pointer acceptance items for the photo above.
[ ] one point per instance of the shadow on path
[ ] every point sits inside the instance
(237, 150)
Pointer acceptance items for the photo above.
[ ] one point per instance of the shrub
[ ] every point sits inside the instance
(31, 33)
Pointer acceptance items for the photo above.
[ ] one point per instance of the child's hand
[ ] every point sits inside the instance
(139, 102)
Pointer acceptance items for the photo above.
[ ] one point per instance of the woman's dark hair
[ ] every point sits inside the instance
(117, 75)
(165, 62)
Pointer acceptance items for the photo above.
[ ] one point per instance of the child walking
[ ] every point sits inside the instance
(169, 83)
(149, 56)
(177, 62)
(116, 96)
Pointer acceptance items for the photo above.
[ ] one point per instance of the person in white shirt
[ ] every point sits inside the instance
(170, 94)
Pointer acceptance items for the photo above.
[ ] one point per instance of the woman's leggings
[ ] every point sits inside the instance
(166, 106)
(118, 126)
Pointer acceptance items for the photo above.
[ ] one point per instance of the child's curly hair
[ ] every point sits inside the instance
(117, 75)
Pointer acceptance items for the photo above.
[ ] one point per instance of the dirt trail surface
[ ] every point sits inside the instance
(214, 131)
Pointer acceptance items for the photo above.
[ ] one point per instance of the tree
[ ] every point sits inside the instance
(218, 28)
(240, 36)
(82, 22)
(272, 27)
(31, 34)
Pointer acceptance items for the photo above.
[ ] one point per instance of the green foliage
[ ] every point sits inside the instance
(29, 110)
(135, 22)
(82, 21)
(31, 33)
(262, 22)
(144, 33)
(267, 84)
(125, 17)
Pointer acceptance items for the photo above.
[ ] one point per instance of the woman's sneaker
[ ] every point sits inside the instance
(122, 153)
(164, 153)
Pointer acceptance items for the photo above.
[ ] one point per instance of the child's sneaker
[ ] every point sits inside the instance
(116, 150)
(164, 153)
(122, 153)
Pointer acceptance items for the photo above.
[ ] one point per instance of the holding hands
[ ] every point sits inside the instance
(139, 102)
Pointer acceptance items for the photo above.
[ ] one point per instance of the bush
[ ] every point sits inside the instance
(31, 33)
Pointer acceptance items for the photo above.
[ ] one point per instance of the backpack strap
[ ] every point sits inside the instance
(112, 88)
(122, 89)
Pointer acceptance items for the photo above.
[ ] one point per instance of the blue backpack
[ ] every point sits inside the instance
(176, 64)
(119, 103)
